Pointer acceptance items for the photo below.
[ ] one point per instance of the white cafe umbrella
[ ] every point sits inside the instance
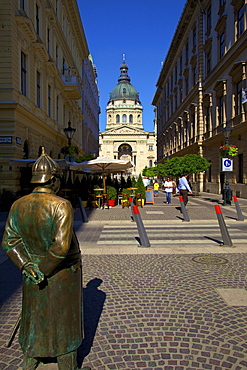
(102, 165)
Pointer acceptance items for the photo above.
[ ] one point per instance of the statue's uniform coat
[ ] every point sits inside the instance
(39, 229)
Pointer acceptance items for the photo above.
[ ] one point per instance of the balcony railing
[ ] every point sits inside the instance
(72, 86)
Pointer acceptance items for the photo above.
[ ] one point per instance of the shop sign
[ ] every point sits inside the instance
(5, 139)
(18, 140)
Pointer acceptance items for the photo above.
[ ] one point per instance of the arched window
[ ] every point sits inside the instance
(131, 118)
(124, 118)
(117, 118)
(125, 152)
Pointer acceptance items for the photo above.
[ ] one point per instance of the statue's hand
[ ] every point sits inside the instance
(32, 272)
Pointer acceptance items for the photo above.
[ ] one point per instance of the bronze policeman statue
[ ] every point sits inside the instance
(39, 239)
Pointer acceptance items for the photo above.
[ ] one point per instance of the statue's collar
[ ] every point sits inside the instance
(42, 189)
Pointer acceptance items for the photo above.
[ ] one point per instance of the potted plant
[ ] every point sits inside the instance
(126, 193)
(141, 188)
(84, 191)
(112, 195)
(70, 152)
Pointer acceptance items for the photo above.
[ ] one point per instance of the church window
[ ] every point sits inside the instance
(124, 91)
(124, 118)
(117, 118)
(131, 118)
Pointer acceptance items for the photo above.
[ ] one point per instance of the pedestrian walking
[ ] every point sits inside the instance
(146, 182)
(184, 188)
(156, 188)
(168, 189)
(174, 189)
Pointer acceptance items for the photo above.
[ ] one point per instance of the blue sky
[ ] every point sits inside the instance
(140, 29)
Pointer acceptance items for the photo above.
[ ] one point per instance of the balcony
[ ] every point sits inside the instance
(72, 86)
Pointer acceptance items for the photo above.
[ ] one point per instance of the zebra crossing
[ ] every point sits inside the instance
(124, 234)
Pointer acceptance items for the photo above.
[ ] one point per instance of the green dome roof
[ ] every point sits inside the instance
(124, 89)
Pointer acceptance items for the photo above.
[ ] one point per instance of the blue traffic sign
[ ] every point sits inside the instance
(227, 163)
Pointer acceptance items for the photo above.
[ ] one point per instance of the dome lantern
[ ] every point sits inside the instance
(124, 89)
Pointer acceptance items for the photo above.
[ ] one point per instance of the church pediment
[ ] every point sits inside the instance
(124, 130)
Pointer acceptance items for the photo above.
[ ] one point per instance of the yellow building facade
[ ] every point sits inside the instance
(200, 91)
(43, 46)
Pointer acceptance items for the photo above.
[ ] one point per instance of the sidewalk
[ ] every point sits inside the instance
(173, 306)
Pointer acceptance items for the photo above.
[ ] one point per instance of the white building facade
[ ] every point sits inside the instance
(125, 137)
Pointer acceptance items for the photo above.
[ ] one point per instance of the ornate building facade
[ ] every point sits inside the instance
(125, 137)
(200, 87)
(44, 54)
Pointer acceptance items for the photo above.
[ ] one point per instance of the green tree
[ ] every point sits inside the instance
(158, 170)
(133, 182)
(85, 158)
(194, 163)
(140, 187)
(174, 167)
(190, 163)
(149, 172)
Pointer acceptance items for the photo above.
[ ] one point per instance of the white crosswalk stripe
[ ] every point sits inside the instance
(167, 234)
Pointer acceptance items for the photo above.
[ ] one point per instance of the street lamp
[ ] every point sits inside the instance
(69, 132)
(227, 193)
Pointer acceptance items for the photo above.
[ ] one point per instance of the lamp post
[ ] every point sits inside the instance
(69, 132)
(227, 194)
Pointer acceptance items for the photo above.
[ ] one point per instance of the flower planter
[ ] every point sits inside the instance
(84, 203)
(226, 150)
(111, 202)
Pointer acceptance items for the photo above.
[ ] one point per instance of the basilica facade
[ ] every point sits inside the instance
(124, 136)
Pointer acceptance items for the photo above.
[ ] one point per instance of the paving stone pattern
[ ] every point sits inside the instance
(147, 311)
(163, 312)
(153, 312)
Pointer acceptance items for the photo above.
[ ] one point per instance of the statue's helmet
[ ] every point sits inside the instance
(44, 169)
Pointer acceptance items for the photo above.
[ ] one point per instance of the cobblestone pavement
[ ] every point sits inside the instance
(163, 311)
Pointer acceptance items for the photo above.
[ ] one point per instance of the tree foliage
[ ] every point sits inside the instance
(85, 158)
(140, 187)
(158, 170)
(177, 166)
(194, 163)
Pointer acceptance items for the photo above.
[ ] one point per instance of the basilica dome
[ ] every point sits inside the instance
(124, 89)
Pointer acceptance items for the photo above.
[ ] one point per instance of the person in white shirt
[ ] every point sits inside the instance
(146, 181)
(168, 189)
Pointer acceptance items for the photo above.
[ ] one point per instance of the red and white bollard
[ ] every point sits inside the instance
(132, 205)
(144, 241)
(238, 209)
(184, 210)
(224, 232)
